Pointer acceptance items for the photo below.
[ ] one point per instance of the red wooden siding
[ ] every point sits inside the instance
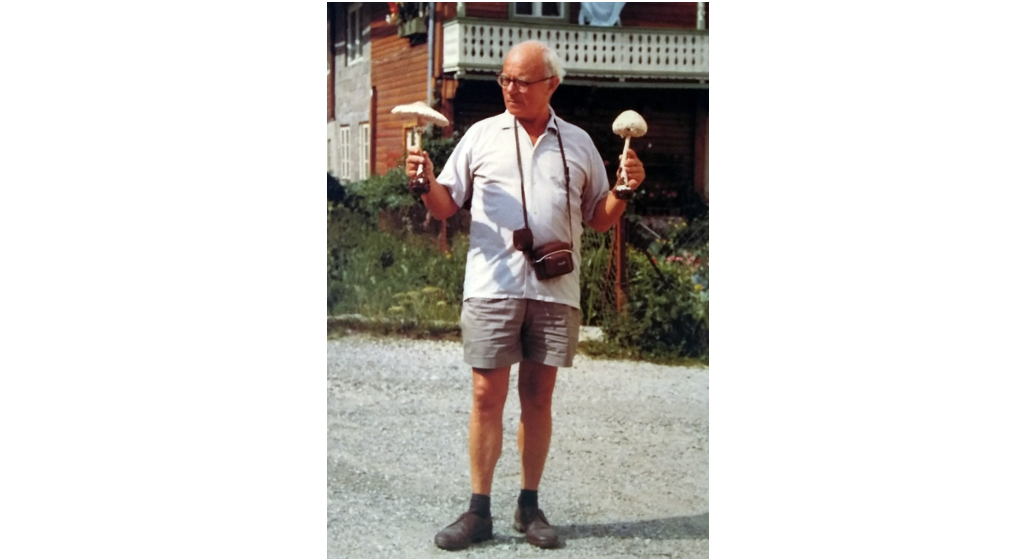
(446, 10)
(681, 15)
(398, 77)
(487, 10)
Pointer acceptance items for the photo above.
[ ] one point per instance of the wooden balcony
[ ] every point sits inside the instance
(623, 56)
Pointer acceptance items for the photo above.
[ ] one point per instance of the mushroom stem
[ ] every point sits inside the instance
(622, 161)
(418, 145)
(419, 185)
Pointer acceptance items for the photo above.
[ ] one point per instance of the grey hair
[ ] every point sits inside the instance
(551, 59)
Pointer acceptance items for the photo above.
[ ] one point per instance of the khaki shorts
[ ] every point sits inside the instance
(501, 332)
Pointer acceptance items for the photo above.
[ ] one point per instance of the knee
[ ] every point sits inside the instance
(535, 397)
(489, 398)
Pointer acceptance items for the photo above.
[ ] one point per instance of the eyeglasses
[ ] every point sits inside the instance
(522, 86)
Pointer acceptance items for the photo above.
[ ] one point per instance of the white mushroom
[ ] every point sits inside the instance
(423, 115)
(627, 125)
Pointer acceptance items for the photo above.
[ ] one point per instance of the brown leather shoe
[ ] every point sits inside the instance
(468, 529)
(538, 532)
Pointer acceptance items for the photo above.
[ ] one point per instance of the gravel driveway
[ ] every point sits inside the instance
(627, 475)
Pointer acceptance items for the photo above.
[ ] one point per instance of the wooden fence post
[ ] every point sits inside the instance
(620, 247)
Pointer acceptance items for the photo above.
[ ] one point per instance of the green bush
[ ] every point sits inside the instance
(390, 191)
(666, 313)
(383, 275)
(392, 275)
(383, 192)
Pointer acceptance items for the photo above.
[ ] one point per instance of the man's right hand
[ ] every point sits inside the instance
(413, 161)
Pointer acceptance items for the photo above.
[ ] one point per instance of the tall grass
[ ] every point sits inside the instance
(396, 275)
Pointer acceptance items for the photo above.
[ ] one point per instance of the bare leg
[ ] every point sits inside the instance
(490, 389)
(536, 385)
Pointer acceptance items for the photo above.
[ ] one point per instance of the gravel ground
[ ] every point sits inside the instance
(627, 474)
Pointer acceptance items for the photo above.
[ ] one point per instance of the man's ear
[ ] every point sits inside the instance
(553, 86)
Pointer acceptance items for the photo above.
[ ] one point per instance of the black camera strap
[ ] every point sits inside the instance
(565, 170)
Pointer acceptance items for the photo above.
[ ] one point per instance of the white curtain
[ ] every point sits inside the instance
(604, 14)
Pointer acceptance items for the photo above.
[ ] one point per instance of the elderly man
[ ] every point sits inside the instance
(525, 169)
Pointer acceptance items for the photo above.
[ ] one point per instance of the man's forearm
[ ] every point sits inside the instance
(607, 212)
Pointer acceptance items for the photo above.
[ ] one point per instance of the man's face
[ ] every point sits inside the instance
(528, 65)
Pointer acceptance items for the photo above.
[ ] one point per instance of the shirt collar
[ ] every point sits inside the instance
(552, 124)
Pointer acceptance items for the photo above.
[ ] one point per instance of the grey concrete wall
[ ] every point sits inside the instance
(353, 86)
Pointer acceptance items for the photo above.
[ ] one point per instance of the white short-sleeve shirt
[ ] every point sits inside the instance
(484, 161)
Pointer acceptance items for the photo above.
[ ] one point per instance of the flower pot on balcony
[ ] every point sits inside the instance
(412, 27)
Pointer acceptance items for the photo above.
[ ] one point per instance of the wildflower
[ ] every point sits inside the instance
(697, 287)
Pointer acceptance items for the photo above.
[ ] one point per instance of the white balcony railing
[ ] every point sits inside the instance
(475, 46)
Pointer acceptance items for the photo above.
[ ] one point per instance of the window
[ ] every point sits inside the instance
(354, 33)
(345, 153)
(365, 151)
(547, 10)
(410, 137)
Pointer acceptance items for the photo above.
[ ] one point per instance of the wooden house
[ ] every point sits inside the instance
(649, 57)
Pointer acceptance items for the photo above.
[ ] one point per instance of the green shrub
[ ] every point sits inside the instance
(666, 313)
(383, 275)
(391, 275)
(390, 190)
(383, 192)
(664, 316)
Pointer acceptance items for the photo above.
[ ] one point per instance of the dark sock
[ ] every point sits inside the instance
(480, 505)
(527, 498)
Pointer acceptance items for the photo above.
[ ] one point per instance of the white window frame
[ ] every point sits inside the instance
(563, 12)
(353, 32)
(365, 149)
(345, 152)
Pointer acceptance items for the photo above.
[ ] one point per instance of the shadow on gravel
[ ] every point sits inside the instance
(675, 528)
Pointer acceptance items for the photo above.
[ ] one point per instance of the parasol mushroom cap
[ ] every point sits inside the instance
(629, 123)
(422, 112)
